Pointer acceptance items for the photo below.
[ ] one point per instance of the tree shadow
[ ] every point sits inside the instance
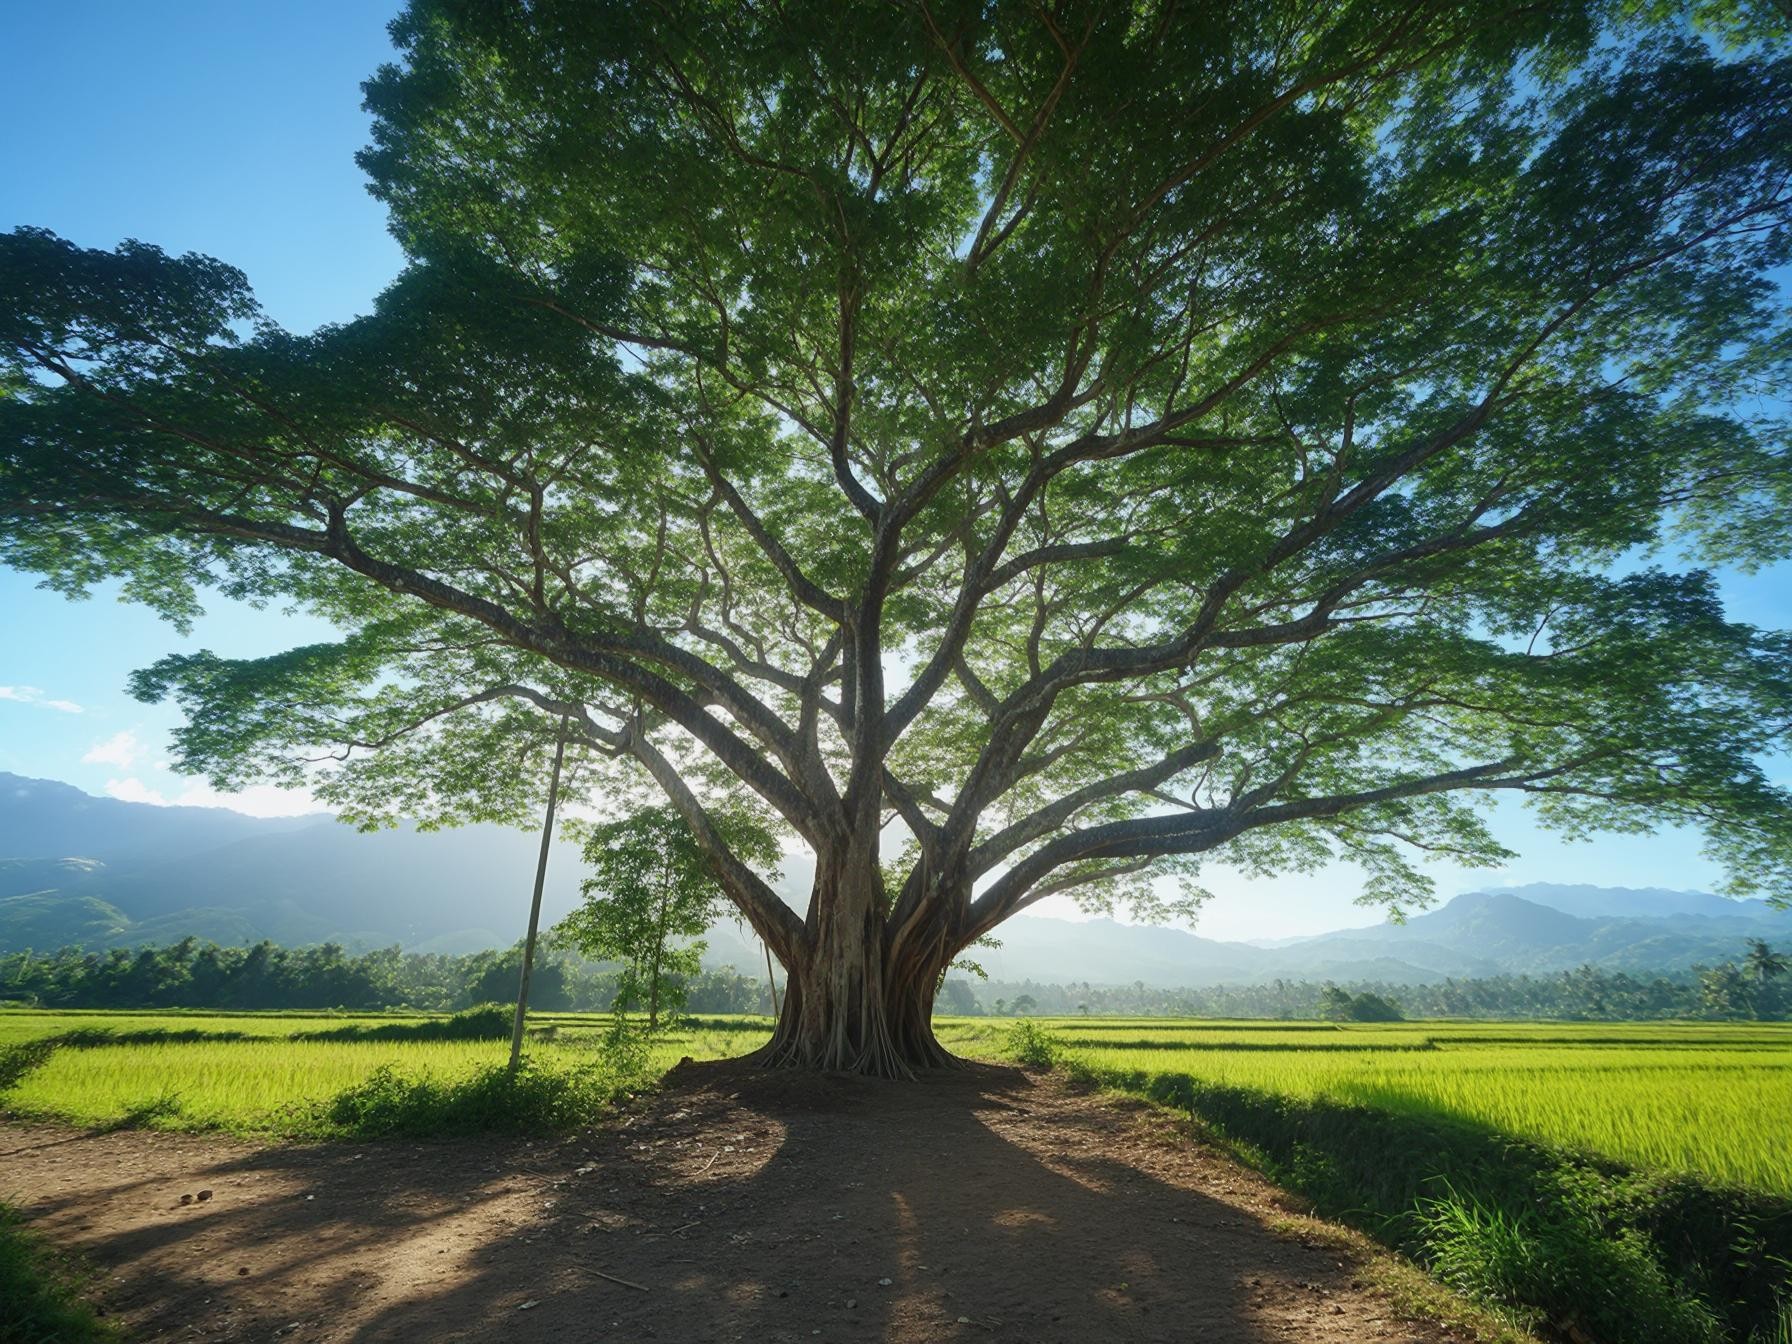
(736, 1204)
(964, 1206)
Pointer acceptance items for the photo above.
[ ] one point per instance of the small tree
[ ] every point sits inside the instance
(651, 889)
(1726, 992)
(1762, 963)
(1372, 1007)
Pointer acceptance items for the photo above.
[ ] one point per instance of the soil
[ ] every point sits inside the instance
(732, 1204)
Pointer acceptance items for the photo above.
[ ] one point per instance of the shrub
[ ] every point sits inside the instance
(1034, 1046)
(533, 1100)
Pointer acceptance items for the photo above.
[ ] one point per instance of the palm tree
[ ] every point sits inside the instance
(1763, 963)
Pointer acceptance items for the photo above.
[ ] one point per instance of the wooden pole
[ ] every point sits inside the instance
(541, 874)
(770, 982)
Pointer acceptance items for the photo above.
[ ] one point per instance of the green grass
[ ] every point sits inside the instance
(261, 1076)
(1712, 1100)
(40, 1292)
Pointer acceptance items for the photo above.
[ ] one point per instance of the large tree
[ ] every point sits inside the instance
(1060, 441)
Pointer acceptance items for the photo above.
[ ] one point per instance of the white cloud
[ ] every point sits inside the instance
(259, 800)
(121, 749)
(33, 695)
(134, 791)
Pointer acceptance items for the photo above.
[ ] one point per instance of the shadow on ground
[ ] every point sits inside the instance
(736, 1204)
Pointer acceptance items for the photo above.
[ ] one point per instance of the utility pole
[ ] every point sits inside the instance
(541, 874)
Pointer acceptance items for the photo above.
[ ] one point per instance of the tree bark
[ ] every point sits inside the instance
(856, 1001)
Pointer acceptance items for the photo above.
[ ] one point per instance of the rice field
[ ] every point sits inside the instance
(1712, 1099)
(257, 1084)
(1704, 1098)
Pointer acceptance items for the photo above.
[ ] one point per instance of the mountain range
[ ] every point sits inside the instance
(76, 870)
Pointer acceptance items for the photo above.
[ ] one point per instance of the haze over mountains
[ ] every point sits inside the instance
(95, 872)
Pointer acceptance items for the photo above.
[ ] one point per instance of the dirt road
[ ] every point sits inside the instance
(734, 1204)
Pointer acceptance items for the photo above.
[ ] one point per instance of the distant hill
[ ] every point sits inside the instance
(151, 874)
(1107, 952)
(95, 872)
(44, 819)
(1524, 930)
(1587, 902)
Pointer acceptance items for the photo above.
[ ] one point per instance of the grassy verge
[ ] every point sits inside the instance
(40, 1299)
(1548, 1237)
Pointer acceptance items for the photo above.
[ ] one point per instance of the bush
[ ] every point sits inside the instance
(1033, 1045)
(533, 1100)
(38, 1293)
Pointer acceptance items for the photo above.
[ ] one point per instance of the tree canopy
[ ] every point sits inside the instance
(1079, 439)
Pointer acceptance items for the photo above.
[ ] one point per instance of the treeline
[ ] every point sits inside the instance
(1730, 992)
(192, 974)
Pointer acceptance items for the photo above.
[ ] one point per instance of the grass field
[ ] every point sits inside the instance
(266, 1081)
(1652, 1160)
(1629, 1180)
(1709, 1099)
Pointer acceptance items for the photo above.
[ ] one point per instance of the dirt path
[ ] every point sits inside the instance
(988, 1205)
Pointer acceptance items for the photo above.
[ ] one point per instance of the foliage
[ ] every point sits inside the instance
(1583, 994)
(1340, 1005)
(534, 1099)
(190, 974)
(193, 975)
(1032, 1045)
(1763, 964)
(40, 1292)
(1101, 437)
(650, 897)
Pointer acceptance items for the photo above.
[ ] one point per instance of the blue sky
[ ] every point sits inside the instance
(230, 129)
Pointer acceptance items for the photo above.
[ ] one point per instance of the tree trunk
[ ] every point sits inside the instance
(853, 1003)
